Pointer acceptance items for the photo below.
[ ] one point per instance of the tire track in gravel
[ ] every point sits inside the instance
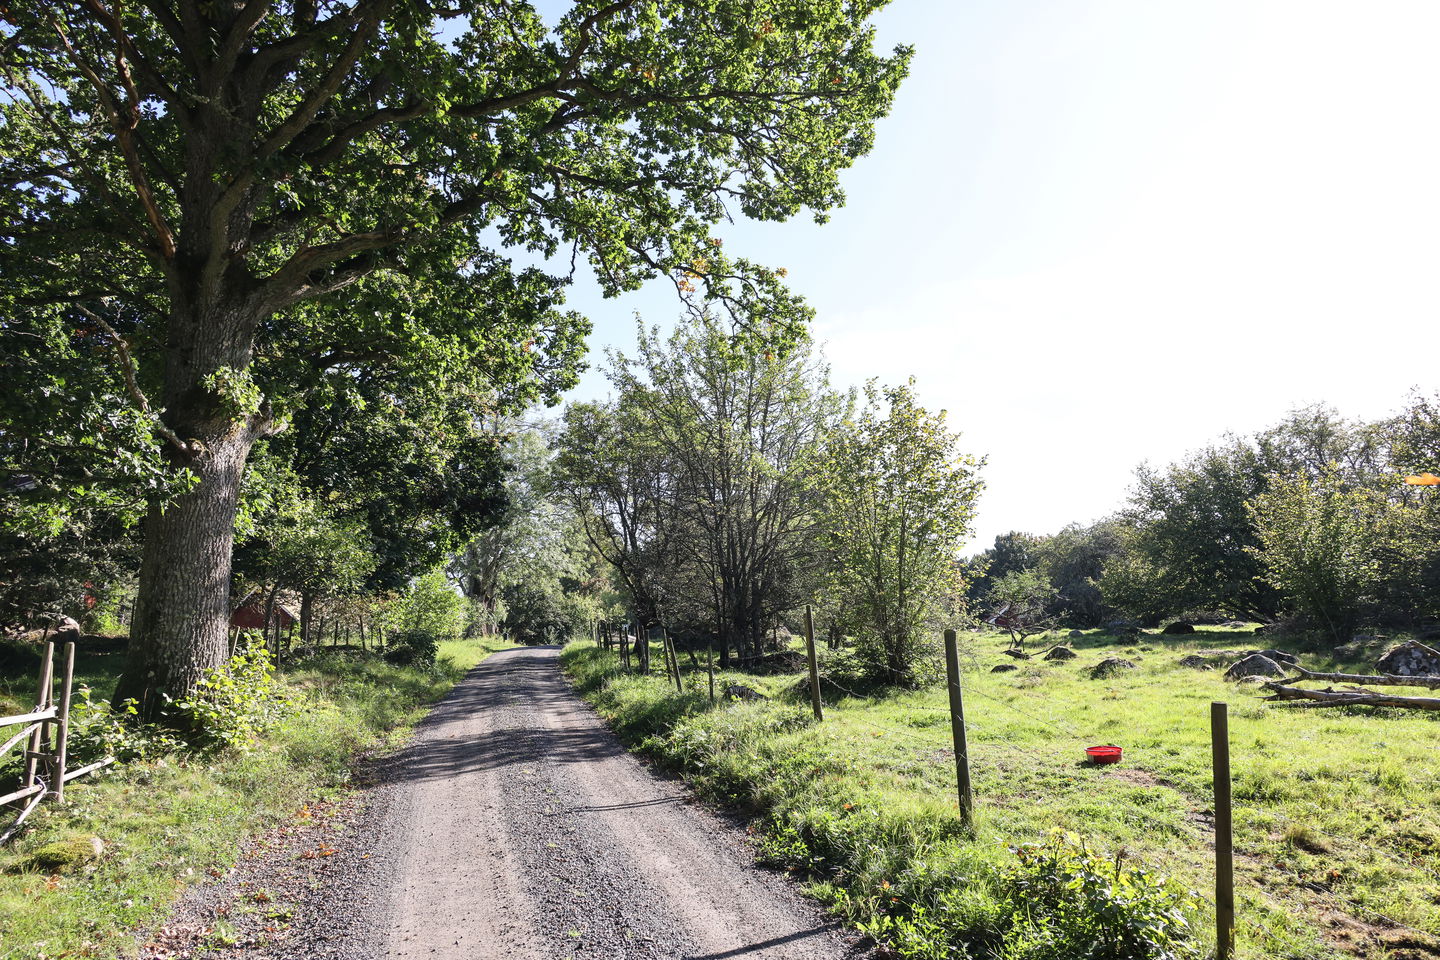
(515, 825)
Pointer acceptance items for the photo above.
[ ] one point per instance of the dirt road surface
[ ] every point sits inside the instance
(514, 826)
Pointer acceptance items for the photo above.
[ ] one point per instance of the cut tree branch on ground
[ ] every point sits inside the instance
(1382, 679)
(1345, 698)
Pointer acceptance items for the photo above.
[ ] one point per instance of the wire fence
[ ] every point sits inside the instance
(1254, 925)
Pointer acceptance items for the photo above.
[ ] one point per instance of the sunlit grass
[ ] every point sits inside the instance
(1337, 812)
(167, 823)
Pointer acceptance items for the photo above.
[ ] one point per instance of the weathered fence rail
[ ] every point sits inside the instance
(45, 732)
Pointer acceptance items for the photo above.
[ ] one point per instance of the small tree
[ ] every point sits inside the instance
(899, 498)
(432, 607)
(1021, 602)
(1318, 544)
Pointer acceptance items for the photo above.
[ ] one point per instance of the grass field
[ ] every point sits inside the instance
(167, 823)
(1337, 811)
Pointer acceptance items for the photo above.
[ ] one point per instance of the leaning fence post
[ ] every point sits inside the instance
(957, 730)
(63, 723)
(44, 697)
(673, 656)
(710, 666)
(1224, 849)
(814, 666)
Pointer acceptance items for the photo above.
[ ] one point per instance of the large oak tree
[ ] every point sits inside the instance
(201, 187)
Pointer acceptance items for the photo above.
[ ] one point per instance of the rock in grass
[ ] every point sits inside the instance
(1255, 665)
(1196, 663)
(738, 691)
(1178, 627)
(1060, 653)
(1076, 634)
(1281, 657)
(1017, 654)
(1109, 666)
(1004, 668)
(1410, 659)
(63, 855)
(1121, 628)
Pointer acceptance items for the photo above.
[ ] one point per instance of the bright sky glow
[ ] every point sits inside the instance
(1101, 233)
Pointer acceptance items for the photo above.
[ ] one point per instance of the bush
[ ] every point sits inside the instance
(412, 648)
(236, 702)
(1070, 902)
(98, 731)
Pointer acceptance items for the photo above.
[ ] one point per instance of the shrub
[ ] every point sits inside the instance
(1070, 902)
(235, 703)
(412, 648)
(98, 731)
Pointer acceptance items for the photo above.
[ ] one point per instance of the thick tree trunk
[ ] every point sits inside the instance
(183, 603)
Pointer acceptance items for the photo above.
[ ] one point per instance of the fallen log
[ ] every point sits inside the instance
(1383, 679)
(1348, 698)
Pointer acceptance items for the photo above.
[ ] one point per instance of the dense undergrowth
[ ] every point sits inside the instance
(863, 805)
(175, 812)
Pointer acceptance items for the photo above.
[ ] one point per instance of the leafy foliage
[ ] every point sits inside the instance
(1070, 902)
(249, 208)
(898, 501)
(234, 705)
(1319, 539)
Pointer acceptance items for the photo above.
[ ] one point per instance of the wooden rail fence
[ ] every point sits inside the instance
(45, 732)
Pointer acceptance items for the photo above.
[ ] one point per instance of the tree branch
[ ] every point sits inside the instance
(127, 368)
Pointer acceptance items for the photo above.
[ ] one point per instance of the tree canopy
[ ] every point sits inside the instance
(235, 201)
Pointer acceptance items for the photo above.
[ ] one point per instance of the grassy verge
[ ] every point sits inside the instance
(1337, 819)
(167, 822)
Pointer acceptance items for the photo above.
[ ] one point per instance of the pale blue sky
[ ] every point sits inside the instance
(1105, 232)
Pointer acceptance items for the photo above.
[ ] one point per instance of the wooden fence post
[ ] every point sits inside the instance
(814, 666)
(624, 648)
(44, 697)
(674, 656)
(63, 723)
(710, 666)
(1224, 849)
(957, 730)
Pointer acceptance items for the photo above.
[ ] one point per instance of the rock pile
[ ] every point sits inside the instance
(1410, 659)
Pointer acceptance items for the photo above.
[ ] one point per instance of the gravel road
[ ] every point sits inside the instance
(514, 826)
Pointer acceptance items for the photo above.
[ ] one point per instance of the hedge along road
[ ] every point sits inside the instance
(516, 826)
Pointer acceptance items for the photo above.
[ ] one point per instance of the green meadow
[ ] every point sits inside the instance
(1336, 811)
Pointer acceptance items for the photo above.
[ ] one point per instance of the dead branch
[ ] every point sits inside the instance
(1382, 679)
(1344, 698)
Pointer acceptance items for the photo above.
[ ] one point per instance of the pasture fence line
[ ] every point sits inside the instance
(45, 732)
(1227, 919)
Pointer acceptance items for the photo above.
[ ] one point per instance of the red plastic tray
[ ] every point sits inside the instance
(1106, 754)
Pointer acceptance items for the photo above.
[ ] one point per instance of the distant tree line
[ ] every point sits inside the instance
(1309, 520)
